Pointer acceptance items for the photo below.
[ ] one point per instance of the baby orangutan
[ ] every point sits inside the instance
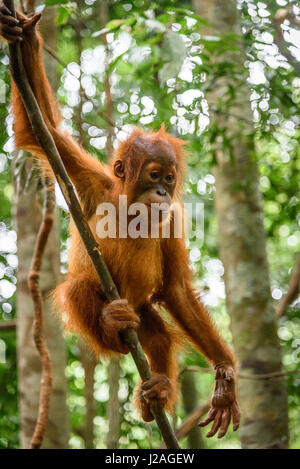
(148, 271)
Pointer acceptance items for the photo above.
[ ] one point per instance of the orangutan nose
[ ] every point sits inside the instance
(161, 192)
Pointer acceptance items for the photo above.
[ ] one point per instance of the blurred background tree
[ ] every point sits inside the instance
(224, 78)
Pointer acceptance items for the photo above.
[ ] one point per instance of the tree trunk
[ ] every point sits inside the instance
(243, 253)
(27, 220)
(113, 370)
(87, 360)
(190, 400)
(113, 409)
(89, 364)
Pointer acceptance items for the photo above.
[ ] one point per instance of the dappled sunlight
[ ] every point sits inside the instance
(233, 99)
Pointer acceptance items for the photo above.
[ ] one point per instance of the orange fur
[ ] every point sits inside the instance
(146, 271)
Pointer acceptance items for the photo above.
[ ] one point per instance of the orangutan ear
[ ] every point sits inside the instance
(119, 169)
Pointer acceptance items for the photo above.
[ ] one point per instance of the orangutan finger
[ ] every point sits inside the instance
(5, 10)
(7, 19)
(235, 416)
(11, 30)
(229, 375)
(210, 416)
(216, 424)
(226, 417)
(155, 379)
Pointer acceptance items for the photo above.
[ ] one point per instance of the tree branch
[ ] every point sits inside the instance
(273, 375)
(191, 421)
(8, 326)
(46, 142)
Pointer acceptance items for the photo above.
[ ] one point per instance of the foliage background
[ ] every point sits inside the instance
(160, 68)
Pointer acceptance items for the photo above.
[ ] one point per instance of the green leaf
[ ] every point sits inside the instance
(114, 24)
(114, 63)
(62, 16)
(55, 2)
(124, 68)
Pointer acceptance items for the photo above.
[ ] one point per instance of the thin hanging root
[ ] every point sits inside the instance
(39, 338)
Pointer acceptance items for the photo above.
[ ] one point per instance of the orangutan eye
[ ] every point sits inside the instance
(154, 175)
(170, 177)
